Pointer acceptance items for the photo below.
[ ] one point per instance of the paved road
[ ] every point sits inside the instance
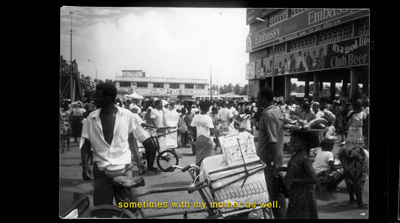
(330, 205)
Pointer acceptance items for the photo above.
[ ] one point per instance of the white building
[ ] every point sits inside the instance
(160, 87)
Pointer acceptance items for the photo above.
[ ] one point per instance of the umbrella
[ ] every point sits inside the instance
(135, 95)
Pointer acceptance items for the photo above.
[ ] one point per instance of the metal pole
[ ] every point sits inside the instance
(71, 68)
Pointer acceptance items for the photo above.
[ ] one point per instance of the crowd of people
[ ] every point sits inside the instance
(201, 123)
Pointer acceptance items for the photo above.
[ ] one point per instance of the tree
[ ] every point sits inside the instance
(243, 91)
(236, 89)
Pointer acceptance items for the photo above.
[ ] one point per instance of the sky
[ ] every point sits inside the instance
(161, 41)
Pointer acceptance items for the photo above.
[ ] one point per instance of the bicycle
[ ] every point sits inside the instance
(196, 185)
(168, 157)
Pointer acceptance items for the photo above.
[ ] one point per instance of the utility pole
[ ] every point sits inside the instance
(71, 67)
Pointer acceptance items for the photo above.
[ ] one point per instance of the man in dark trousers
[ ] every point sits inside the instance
(110, 134)
(270, 148)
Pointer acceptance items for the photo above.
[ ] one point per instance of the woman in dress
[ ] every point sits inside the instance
(301, 178)
(355, 122)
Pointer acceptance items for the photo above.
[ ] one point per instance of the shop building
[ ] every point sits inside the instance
(315, 46)
(160, 87)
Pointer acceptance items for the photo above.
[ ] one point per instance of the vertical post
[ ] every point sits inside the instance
(307, 88)
(333, 90)
(353, 84)
(316, 86)
(288, 86)
(71, 68)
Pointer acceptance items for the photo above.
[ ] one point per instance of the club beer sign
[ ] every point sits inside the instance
(351, 52)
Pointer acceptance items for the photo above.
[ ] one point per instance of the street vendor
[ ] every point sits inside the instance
(328, 174)
(270, 147)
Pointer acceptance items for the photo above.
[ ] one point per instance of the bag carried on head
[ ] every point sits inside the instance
(354, 162)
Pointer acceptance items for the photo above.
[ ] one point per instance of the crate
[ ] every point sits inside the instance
(253, 190)
(238, 147)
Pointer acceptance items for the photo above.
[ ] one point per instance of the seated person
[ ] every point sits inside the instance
(324, 166)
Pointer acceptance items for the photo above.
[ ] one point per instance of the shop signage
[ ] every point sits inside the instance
(307, 22)
(347, 53)
(250, 71)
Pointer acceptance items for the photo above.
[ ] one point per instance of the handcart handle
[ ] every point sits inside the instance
(184, 169)
(197, 187)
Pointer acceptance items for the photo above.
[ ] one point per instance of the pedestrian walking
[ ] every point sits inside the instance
(76, 118)
(110, 133)
(203, 128)
(65, 130)
(270, 147)
(301, 178)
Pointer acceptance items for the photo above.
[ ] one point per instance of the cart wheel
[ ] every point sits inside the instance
(110, 211)
(166, 159)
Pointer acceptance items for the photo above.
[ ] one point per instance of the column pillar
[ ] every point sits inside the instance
(316, 87)
(307, 89)
(332, 90)
(288, 87)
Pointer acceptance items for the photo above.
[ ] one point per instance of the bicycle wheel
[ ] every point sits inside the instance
(166, 159)
(110, 211)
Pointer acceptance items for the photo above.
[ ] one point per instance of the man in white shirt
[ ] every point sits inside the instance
(134, 105)
(203, 126)
(226, 118)
(225, 113)
(110, 134)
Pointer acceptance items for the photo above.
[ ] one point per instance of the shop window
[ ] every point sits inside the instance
(142, 84)
(199, 86)
(158, 85)
(124, 84)
(189, 86)
(174, 85)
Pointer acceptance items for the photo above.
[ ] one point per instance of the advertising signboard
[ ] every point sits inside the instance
(310, 21)
(250, 71)
(347, 53)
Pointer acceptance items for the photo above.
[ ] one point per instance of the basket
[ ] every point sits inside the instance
(229, 185)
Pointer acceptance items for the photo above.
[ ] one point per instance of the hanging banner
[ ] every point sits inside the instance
(351, 52)
(310, 21)
(347, 53)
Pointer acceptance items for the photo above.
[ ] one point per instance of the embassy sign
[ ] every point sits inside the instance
(310, 21)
